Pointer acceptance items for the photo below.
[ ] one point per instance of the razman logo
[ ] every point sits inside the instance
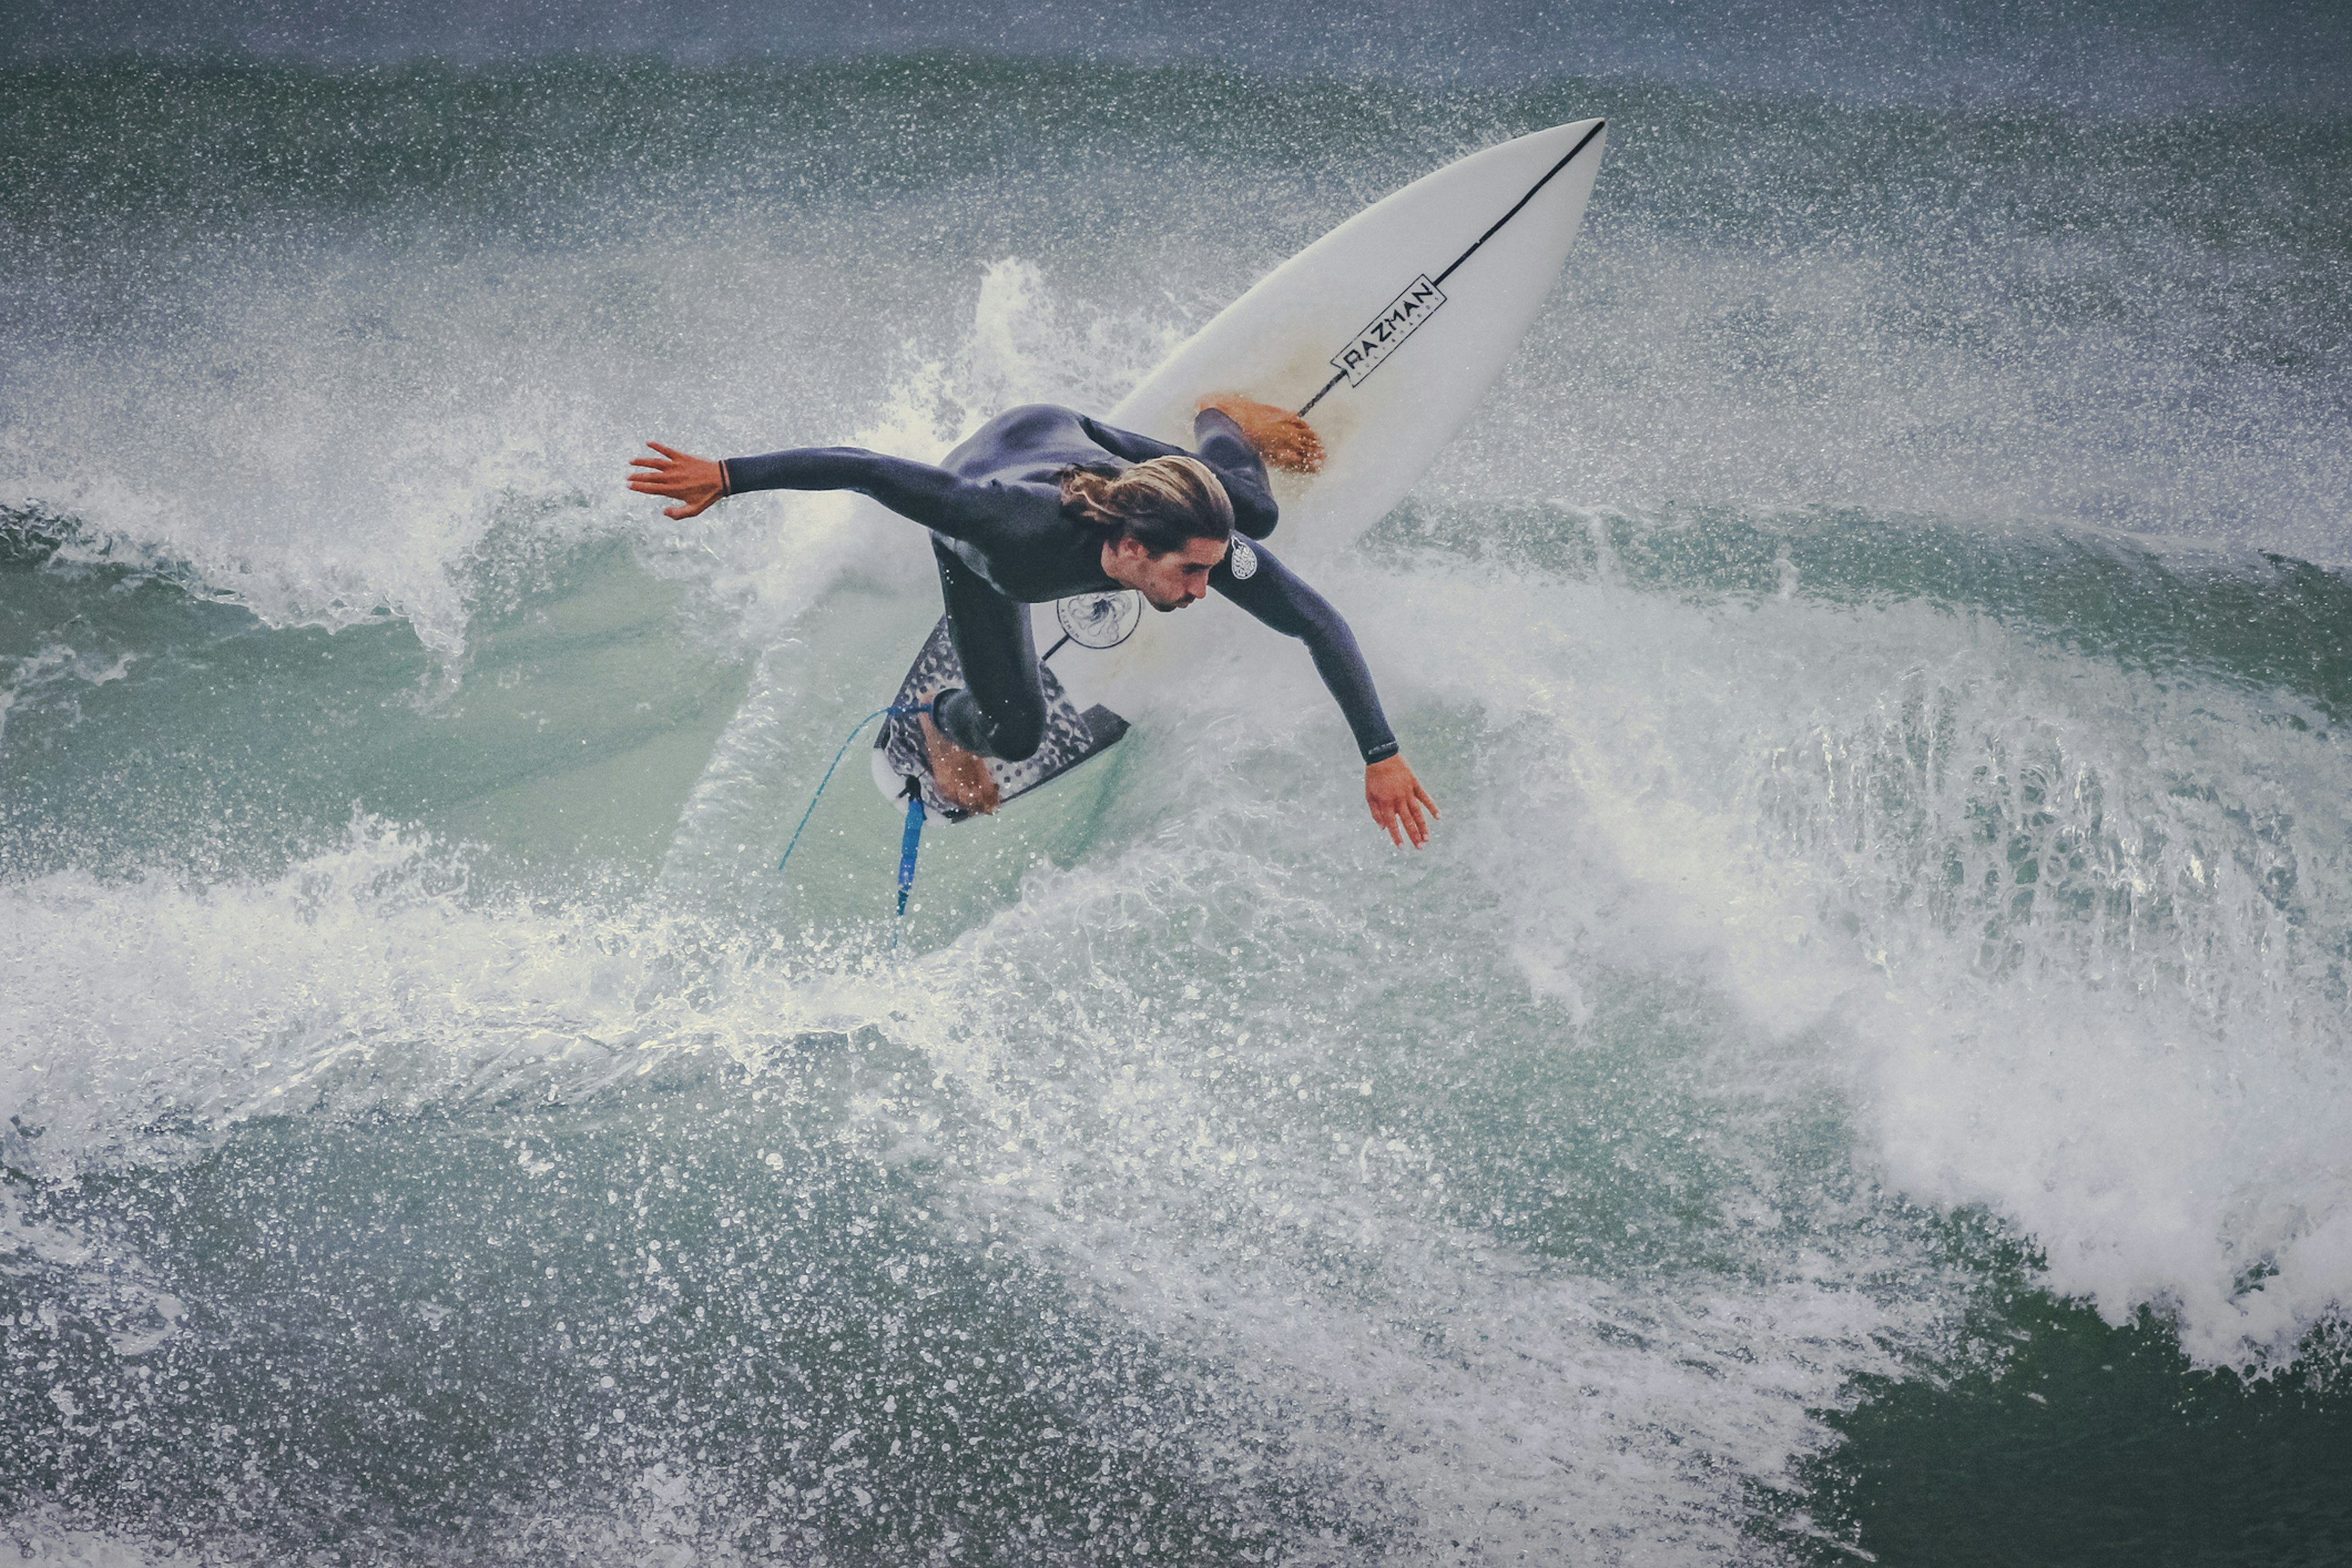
(1380, 339)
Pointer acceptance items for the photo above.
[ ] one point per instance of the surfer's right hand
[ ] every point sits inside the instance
(696, 483)
(1398, 801)
(1281, 438)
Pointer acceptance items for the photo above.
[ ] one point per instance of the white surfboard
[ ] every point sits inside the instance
(1385, 333)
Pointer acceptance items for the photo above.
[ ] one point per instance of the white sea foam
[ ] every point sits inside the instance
(1097, 1103)
(2142, 1070)
(1471, 1393)
(1639, 790)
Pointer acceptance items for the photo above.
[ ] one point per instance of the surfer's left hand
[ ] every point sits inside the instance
(1281, 438)
(696, 483)
(1398, 800)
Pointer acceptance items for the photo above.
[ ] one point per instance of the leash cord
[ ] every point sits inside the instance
(877, 713)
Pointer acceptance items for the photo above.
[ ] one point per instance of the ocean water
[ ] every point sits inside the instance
(1862, 1072)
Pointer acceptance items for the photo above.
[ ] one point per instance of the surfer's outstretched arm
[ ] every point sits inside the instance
(1279, 597)
(944, 502)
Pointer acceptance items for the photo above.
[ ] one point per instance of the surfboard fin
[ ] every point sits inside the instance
(909, 843)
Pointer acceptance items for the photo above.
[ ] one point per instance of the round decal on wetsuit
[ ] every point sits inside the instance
(1100, 620)
(1243, 560)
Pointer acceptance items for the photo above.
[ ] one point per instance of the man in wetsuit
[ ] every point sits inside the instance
(1042, 503)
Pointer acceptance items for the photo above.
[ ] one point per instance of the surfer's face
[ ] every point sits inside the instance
(1169, 582)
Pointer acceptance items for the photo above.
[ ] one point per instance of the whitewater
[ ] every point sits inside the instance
(1863, 1067)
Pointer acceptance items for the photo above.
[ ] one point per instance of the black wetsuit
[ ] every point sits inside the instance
(1003, 542)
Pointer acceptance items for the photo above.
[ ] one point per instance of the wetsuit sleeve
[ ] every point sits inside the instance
(944, 502)
(1276, 597)
(1222, 446)
(1225, 449)
(1126, 444)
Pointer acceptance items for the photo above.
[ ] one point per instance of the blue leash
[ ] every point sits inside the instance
(908, 845)
(914, 835)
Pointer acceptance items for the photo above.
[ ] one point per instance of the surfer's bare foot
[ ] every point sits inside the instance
(963, 777)
(1281, 438)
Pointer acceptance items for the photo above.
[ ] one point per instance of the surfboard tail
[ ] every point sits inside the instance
(902, 758)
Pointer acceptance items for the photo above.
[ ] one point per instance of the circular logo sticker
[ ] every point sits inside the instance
(1243, 560)
(1100, 620)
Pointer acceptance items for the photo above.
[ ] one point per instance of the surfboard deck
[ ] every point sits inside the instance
(901, 760)
(1387, 332)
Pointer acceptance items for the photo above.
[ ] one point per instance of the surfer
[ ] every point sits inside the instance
(1042, 503)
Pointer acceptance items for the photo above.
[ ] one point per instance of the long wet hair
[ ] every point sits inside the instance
(1163, 504)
